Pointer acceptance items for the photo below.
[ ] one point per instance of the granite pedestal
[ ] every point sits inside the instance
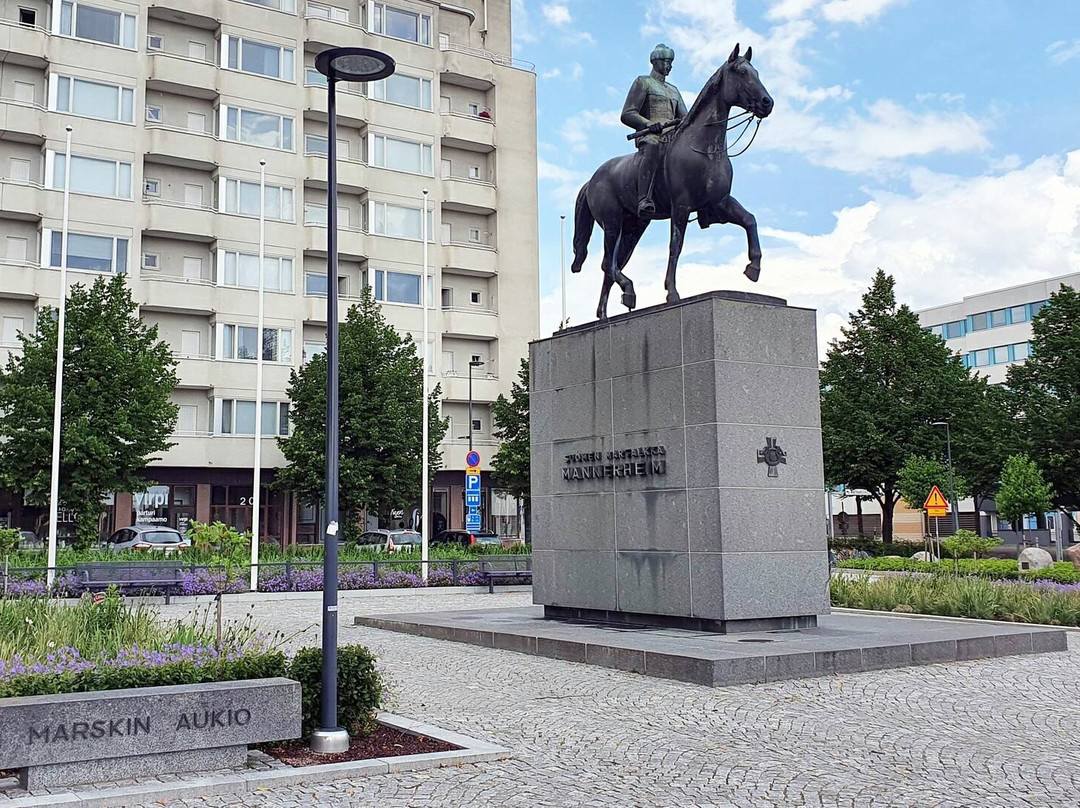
(677, 475)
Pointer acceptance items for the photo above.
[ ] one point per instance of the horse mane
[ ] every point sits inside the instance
(712, 86)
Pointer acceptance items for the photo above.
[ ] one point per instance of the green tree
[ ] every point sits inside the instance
(884, 380)
(1046, 396)
(968, 542)
(1023, 490)
(511, 420)
(117, 410)
(920, 474)
(983, 438)
(380, 405)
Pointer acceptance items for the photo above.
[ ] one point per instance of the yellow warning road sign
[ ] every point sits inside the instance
(936, 504)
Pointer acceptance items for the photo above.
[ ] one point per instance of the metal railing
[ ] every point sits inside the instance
(497, 58)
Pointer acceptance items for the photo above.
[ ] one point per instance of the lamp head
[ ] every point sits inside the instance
(354, 64)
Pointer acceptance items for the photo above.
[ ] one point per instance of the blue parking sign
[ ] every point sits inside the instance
(472, 498)
(472, 520)
(472, 483)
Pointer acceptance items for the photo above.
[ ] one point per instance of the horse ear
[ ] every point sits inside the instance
(749, 53)
(734, 53)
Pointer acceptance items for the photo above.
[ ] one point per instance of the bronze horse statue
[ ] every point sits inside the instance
(695, 176)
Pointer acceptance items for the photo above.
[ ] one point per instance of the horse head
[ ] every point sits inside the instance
(735, 84)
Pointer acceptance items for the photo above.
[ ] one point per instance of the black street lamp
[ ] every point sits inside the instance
(473, 363)
(952, 477)
(337, 64)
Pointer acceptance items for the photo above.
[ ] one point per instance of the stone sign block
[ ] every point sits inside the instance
(72, 738)
(677, 474)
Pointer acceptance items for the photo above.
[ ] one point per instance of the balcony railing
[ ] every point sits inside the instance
(158, 275)
(480, 245)
(6, 99)
(471, 310)
(178, 203)
(497, 58)
(181, 129)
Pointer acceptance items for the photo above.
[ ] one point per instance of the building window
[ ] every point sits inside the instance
(332, 13)
(12, 328)
(242, 269)
(150, 261)
(155, 42)
(399, 221)
(476, 298)
(409, 91)
(95, 253)
(1018, 314)
(315, 214)
(90, 175)
(315, 284)
(109, 102)
(153, 114)
(28, 17)
(238, 417)
(402, 155)
(312, 349)
(474, 235)
(401, 24)
(241, 342)
(19, 169)
(84, 21)
(1035, 308)
(256, 128)
(288, 6)
(1021, 351)
(240, 196)
(151, 187)
(979, 322)
(997, 318)
(397, 287)
(954, 329)
(477, 425)
(249, 56)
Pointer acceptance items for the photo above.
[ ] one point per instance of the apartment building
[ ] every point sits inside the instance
(173, 103)
(992, 330)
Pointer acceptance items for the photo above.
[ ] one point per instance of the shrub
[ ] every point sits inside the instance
(360, 688)
(995, 568)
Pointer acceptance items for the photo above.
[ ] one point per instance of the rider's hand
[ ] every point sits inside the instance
(656, 128)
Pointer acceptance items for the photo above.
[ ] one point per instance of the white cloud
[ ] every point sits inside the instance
(791, 9)
(577, 128)
(556, 13)
(855, 11)
(1061, 51)
(947, 237)
(554, 73)
(567, 181)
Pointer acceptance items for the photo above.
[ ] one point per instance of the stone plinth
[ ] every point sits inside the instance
(677, 473)
(117, 734)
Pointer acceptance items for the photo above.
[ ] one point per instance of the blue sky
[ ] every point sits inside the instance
(937, 139)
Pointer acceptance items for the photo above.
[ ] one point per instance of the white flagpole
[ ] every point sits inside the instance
(424, 493)
(54, 483)
(257, 472)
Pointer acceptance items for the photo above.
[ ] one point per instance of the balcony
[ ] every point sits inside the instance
(22, 121)
(479, 260)
(315, 308)
(205, 14)
(334, 33)
(469, 132)
(22, 200)
(174, 293)
(468, 196)
(470, 323)
(352, 241)
(176, 146)
(352, 173)
(23, 44)
(170, 219)
(194, 372)
(18, 279)
(182, 75)
(352, 105)
(455, 386)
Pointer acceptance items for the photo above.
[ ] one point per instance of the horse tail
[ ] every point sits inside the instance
(583, 228)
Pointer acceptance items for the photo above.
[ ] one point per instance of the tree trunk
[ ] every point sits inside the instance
(887, 506)
(859, 519)
(977, 500)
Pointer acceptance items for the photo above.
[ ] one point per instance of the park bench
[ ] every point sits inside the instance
(492, 574)
(165, 576)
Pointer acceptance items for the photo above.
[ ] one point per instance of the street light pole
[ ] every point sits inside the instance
(424, 491)
(347, 64)
(473, 363)
(952, 476)
(562, 276)
(256, 485)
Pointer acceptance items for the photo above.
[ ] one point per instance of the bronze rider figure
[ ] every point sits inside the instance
(652, 103)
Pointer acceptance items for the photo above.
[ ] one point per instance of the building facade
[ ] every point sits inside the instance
(173, 103)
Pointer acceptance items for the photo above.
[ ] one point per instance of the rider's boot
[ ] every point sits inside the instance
(646, 170)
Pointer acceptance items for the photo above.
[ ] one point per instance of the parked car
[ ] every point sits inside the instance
(28, 540)
(147, 537)
(65, 535)
(390, 541)
(464, 539)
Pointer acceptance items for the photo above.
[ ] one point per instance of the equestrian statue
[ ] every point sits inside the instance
(682, 166)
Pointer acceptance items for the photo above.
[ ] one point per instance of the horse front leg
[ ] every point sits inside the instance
(632, 231)
(611, 248)
(679, 217)
(737, 214)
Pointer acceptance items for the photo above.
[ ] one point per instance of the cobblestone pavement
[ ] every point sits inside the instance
(994, 733)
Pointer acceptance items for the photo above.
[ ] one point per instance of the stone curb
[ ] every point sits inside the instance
(231, 782)
(344, 594)
(950, 619)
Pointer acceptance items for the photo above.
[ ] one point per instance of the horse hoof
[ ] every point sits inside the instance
(629, 299)
(752, 271)
(673, 296)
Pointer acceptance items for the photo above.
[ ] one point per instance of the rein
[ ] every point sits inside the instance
(734, 122)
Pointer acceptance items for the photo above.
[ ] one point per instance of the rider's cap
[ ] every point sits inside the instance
(661, 51)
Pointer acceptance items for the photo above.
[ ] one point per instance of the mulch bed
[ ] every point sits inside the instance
(383, 742)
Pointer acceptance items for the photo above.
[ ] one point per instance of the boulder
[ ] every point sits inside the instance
(923, 555)
(1034, 558)
(1073, 555)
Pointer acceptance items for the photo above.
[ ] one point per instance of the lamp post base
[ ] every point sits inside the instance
(329, 741)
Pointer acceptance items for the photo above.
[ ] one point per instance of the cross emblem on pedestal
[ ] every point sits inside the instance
(773, 455)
